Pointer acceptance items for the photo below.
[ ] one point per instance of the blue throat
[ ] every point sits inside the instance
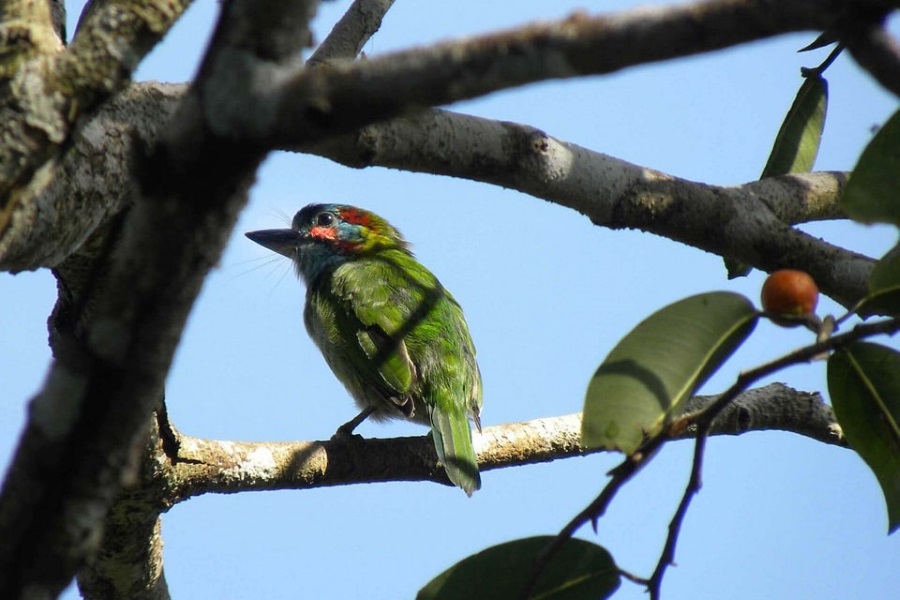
(312, 260)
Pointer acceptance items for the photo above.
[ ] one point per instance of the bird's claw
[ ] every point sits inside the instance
(345, 433)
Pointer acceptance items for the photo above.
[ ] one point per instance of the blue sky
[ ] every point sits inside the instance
(547, 295)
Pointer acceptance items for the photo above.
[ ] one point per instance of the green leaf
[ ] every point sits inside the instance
(873, 192)
(825, 39)
(580, 570)
(884, 286)
(654, 369)
(864, 384)
(797, 142)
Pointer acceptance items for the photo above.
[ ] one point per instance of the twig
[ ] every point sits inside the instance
(705, 417)
(620, 475)
(633, 578)
(667, 557)
(817, 71)
(703, 420)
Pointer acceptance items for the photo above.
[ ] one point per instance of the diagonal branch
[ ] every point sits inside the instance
(750, 222)
(318, 103)
(351, 32)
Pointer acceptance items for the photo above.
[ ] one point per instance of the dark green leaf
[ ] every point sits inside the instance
(654, 369)
(581, 570)
(884, 286)
(797, 142)
(873, 192)
(825, 39)
(864, 383)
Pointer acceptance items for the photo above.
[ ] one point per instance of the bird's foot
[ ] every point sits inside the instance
(345, 433)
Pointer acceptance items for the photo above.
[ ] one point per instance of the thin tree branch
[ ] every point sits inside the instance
(619, 476)
(351, 32)
(315, 104)
(704, 420)
(695, 482)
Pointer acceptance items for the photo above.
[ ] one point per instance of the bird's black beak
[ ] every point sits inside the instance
(282, 241)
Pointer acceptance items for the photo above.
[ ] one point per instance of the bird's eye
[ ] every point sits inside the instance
(324, 219)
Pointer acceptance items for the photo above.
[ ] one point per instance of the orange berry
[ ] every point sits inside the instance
(791, 293)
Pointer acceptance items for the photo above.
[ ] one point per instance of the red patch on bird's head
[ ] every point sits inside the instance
(356, 217)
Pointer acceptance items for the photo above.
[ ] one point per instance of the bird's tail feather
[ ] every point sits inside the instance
(453, 442)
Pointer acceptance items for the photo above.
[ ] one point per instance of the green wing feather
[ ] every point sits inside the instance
(391, 357)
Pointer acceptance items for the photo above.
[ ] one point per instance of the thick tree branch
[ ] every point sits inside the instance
(43, 98)
(92, 414)
(286, 115)
(129, 562)
(94, 181)
(610, 191)
(750, 223)
(801, 197)
(26, 31)
(58, 16)
(211, 466)
(180, 467)
(517, 156)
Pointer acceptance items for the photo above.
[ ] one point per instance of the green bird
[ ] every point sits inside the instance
(391, 333)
